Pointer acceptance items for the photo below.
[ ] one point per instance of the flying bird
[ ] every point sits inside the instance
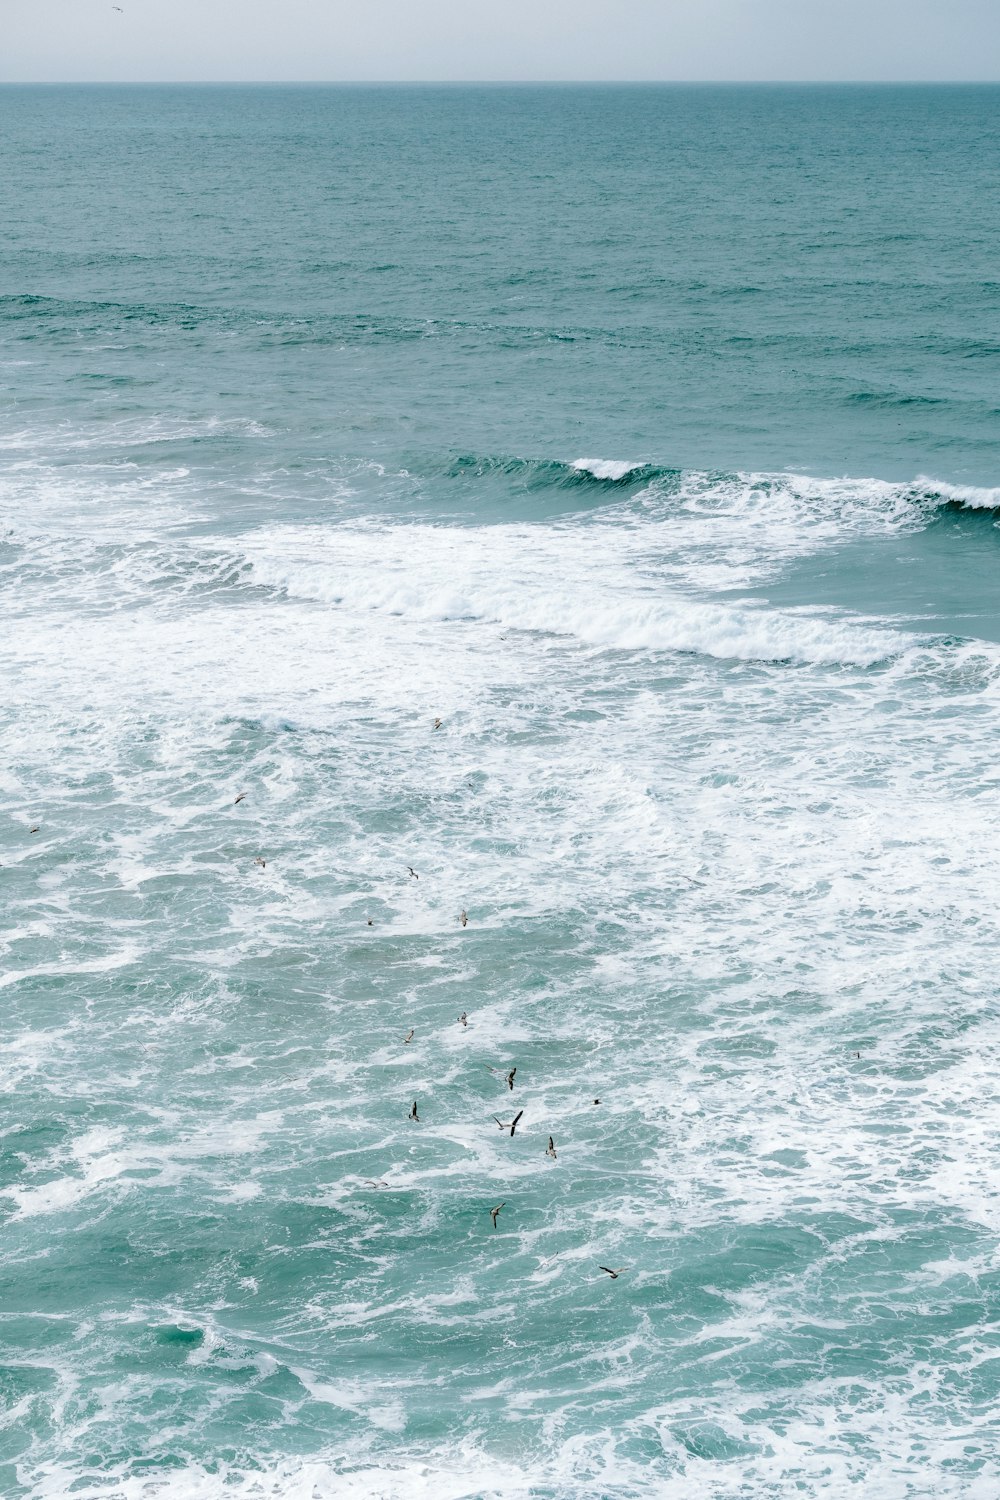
(261, 862)
(510, 1125)
(495, 1211)
(614, 1274)
(510, 1079)
(464, 1019)
(370, 1183)
(413, 872)
(239, 799)
(372, 924)
(464, 918)
(118, 9)
(413, 1112)
(437, 723)
(550, 1149)
(409, 1037)
(35, 829)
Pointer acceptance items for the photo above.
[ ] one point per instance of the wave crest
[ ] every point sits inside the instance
(584, 585)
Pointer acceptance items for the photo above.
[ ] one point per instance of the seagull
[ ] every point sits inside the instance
(369, 1182)
(495, 1211)
(239, 799)
(413, 872)
(510, 1125)
(35, 829)
(464, 1019)
(616, 1273)
(550, 1149)
(464, 918)
(261, 862)
(510, 1079)
(413, 1113)
(409, 1038)
(118, 9)
(437, 723)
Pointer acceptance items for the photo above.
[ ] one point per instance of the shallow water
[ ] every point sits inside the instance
(647, 438)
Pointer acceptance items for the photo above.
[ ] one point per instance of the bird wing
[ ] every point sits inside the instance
(513, 1122)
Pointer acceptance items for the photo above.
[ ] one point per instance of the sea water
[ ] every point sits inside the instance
(645, 440)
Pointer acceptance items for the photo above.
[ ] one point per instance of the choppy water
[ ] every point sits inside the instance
(648, 439)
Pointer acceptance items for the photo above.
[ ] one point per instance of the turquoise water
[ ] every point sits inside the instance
(647, 438)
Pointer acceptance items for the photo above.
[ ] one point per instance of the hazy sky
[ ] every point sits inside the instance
(53, 40)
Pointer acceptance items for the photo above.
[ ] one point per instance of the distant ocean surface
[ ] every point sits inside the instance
(649, 439)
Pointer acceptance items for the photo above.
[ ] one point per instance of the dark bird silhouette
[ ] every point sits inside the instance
(550, 1149)
(372, 924)
(495, 1211)
(510, 1079)
(409, 1037)
(413, 872)
(239, 799)
(35, 829)
(597, 1101)
(464, 1019)
(616, 1273)
(413, 1112)
(510, 1125)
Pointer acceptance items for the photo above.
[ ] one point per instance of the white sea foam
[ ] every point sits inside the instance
(696, 879)
(126, 433)
(605, 468)
(972, 497)
(593, 586)
(889, 1467)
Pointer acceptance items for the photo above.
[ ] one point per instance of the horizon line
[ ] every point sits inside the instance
(499, 82)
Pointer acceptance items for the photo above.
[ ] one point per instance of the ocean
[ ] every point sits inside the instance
(573, 509)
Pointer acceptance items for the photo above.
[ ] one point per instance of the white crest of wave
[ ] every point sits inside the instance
(973, 497)
(596, 585)
(604, 468)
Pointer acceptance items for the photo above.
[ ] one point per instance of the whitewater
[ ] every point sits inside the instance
(357, 572)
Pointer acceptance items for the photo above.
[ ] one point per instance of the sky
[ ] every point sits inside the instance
(518, 40)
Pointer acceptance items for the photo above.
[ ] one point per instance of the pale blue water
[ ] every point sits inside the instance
(647, 437)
